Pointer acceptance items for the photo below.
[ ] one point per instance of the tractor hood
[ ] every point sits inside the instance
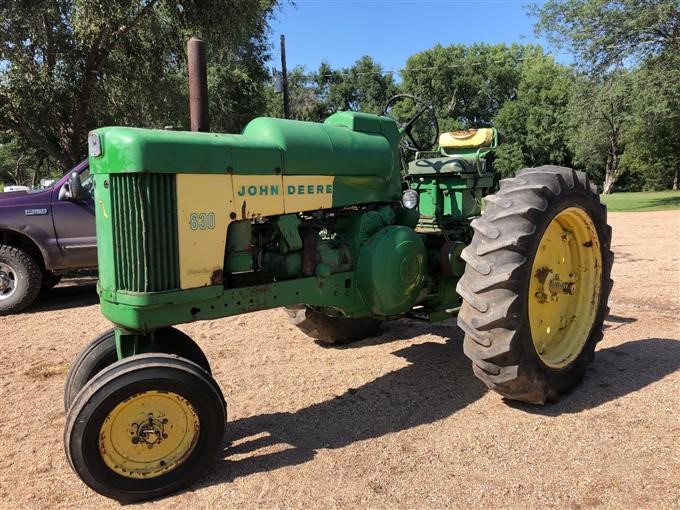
(347, 144)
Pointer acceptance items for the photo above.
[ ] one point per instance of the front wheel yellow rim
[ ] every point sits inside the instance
(148, 434)
(565, 287)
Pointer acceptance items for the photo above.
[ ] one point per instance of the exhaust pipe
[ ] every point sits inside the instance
(198, 85)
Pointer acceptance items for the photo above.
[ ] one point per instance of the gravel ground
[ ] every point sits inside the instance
(397, 421)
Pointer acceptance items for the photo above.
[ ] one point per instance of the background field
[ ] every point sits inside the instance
(642, 201)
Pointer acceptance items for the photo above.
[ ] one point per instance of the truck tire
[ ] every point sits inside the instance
(101, 353)
(536, 284)
(20, 279)
(332, 330)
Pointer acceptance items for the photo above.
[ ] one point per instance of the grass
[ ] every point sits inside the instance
(642, 201)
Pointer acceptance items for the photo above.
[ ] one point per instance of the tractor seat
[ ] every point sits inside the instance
(467, 139)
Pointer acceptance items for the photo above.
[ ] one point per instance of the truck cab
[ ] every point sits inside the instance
(44, 234)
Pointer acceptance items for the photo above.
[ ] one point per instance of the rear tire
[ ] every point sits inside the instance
(145, 427)
(20, 279)
(101, 353)
(332, 330)
(531, 327)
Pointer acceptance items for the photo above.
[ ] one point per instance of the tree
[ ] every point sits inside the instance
(534, 123)
(314, 96)
(604, 33)
(305, 100)
(630, 42)
(363, 87)
(652, 155)
(599, 114)
(70, 65)
(22, 165)
(467, 84)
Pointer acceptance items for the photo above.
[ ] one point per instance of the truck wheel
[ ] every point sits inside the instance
(145, 427)
(101, 353)
(49, 280)
(20, 279)
(332, 330)
(536, 284)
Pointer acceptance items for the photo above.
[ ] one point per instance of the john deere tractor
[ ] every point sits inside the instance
(327, 221)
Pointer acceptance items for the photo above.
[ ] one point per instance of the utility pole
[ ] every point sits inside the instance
(198, 85)
(284, 79)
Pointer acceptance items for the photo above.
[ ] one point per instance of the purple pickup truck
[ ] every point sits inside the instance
(44, 234)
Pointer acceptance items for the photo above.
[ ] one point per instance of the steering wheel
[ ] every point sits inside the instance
(409, 142)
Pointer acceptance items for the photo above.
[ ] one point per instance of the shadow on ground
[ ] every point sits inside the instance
(665, 202)
(616, 372)
(437, 383)
(614, 322)
(73, 293)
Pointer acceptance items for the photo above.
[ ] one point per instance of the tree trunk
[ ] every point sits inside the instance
(609, 181)
(675, 179)
(611, 172)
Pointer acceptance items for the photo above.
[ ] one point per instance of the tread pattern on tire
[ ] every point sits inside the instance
(332, 330)
(493, 287)
(98, 355)
(32, 275)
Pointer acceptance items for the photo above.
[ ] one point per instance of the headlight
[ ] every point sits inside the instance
(410, 199)
(94, 146)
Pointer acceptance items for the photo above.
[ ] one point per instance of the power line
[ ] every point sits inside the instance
(414, 69)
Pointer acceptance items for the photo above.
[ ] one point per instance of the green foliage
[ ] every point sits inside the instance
(604, 33)
(652, 155)
(67, 66)
(598, 118)
(70, 65)
(625, 110)
(314, 96)
(362, 87)
(467, 84)
(534, 122)
(23, 165)
(305, 100)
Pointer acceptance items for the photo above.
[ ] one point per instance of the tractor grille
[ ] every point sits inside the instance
(145, 232)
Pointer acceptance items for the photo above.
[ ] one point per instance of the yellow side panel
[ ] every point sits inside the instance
(204, 203)
(257, 195)
(308, 192)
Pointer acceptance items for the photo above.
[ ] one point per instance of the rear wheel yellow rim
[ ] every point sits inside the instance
(564, 292)
(148, 434)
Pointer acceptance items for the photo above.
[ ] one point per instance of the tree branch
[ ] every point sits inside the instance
(96, 57)
(50, 57)
(124, 29)
(39, 141)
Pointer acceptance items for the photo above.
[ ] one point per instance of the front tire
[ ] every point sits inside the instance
(332, 330)
(20, 279)
(145, 427)
(536, 284)
(101, 353)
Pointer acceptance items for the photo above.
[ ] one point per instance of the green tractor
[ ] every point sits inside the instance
(328, 221)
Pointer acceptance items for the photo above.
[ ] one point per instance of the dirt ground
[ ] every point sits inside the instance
(397, 421)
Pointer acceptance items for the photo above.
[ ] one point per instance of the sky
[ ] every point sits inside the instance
(341, 31)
